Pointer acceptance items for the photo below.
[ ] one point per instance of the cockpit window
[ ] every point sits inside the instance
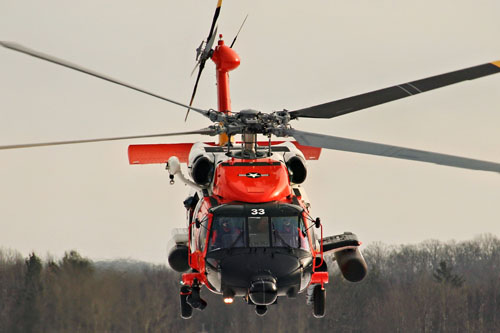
(227, 232)
(304, 242)
(285, 231)
(258, 231)
(272, 225)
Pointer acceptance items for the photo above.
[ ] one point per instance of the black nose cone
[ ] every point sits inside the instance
(263, 289)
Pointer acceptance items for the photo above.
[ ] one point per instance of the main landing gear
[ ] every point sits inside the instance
(316, 293)
(319, 297)
(190, 299)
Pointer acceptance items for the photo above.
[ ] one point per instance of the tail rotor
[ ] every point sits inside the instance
(203, 53)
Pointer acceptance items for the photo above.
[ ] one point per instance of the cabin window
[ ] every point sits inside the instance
(193, 232)
(192, 215)
(258, 232)
(203, 233)
(227, 232)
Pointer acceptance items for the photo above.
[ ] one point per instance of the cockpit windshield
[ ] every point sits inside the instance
(258, 231)
(285, 231)
(262, 227)
(227, 232)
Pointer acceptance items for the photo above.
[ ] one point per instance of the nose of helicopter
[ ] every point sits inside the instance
(263, 289)
(262, 274)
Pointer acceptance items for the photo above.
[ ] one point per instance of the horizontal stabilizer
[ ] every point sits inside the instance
(160, 153)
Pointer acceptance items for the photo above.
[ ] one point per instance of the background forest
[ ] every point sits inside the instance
(429, 287)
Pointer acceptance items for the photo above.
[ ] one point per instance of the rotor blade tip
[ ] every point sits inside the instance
(496, 63)
(5, 43)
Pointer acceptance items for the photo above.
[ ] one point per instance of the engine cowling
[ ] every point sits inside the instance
(297, 169)
(296, 163)
(202, 171)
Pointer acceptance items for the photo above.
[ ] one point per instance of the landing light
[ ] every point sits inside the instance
(228, 300)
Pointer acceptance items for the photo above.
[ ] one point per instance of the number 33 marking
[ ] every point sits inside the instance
(258, 211)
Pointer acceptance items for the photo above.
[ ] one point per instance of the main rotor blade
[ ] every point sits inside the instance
(43, 56)
(204, 131)
(371, 148)
(363, 101)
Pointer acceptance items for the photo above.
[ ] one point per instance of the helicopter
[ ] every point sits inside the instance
(207, 164)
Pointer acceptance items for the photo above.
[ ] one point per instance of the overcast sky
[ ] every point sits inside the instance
(293, 54)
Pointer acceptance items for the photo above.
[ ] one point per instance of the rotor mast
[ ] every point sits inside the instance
(225, 59)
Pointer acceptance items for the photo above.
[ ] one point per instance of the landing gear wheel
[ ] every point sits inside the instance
(186, 309)
(319, 295)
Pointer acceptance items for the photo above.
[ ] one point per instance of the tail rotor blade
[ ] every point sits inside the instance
(195, 68)
(204, 54)
(210, 42)
(214, 20)
(239, 30)
(202, 65)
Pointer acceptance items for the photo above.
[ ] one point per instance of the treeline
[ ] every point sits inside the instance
(429, 287)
